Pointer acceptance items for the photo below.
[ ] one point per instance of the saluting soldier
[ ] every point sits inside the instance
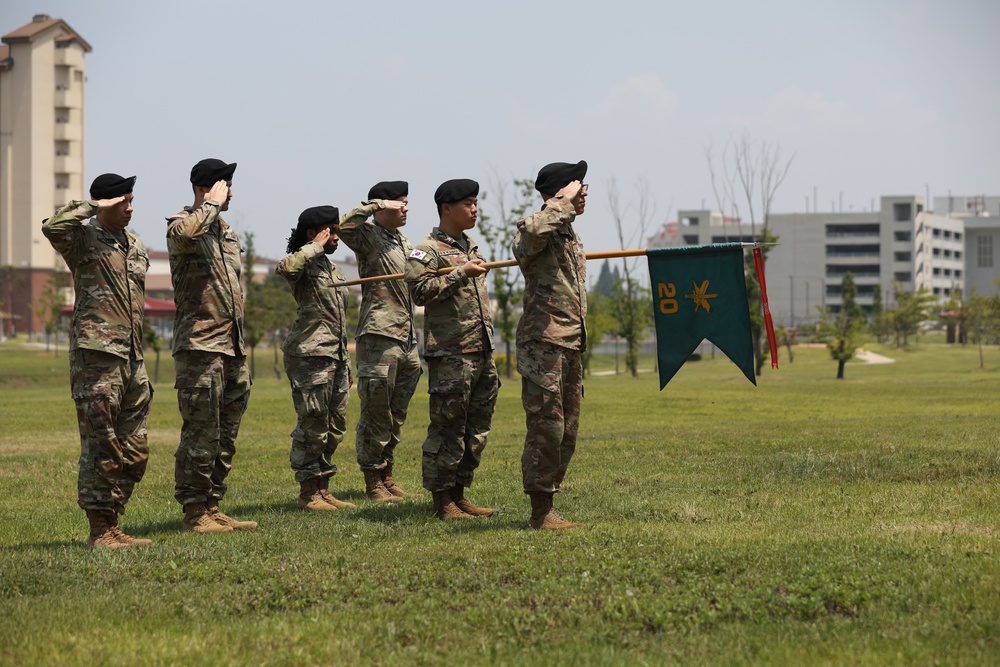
(316, 359)
(552, 335)
(388, 363)
(458, 347)
(108, 378)
(209, 347)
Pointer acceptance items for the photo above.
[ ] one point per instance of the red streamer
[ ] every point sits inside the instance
(772, 341)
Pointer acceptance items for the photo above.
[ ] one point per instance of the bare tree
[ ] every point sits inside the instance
(508, 285)
(749, 173)
(631, 303)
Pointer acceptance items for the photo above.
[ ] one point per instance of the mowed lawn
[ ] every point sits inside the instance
(805, 521)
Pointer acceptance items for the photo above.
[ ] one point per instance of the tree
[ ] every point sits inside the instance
(786, 337)
(606, 280)
(49, 304)
(600, 321)
(843, 327)
(632, 304)
(982, 320)
(153, 342)
(269, 308)
(881, 321)
(911, 311)
(9, 278)
(749, 173)
(508, 286)
(255, 316)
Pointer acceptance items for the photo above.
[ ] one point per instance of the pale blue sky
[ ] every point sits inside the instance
(319, 100)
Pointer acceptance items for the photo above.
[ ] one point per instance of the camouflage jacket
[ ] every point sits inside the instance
(110, 281)
(457, 311)
(205, 270)
(320, 327)
(554, 266)
(386, 307)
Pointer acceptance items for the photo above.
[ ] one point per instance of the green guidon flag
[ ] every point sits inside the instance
(700, 292)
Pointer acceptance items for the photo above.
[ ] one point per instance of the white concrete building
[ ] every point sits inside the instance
(899, 243)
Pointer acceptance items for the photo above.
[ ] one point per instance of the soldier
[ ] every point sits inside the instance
(388, 363)
(213, 381)
(551, 335)
(109, 381)
(316, 359)
(458, 346)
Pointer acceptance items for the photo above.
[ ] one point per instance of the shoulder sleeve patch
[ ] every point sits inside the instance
(419, 255)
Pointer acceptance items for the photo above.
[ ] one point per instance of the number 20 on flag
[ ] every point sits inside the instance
(666, 293)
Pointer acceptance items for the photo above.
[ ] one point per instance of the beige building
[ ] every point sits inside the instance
(42, 84)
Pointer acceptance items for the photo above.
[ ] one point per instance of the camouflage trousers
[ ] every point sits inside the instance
(213, 391)
(320, 389)
(388, 373)
(112, 397)
(551, 392)
(463, 393)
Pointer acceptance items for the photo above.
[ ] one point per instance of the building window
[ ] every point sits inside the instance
(690, 239)
(958, 236)
(903, 236)
(958, 273)
(902, 256)
(902, 212)
(936, 233)
(947, 234)
(958, 254)
(947, 253)
(936, 252)
(902, 276)
(937, 271)
(937, 291)
(984, 252)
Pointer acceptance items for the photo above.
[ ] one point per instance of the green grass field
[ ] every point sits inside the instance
(807, 520)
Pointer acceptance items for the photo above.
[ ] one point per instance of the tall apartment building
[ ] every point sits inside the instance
(42, 84)
(899, 243)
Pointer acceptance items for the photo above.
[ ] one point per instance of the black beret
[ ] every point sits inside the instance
(554, 177)
(210, 170)
(389, 190)
(455, 190)
(109, 186)
(318, 216)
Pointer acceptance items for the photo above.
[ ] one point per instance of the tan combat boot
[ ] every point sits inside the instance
(390, 484)
(323, 486)
(196, 518)
(458, 495)
(375, 489)
(212, 507)
(128, 539)
(543, 517)
(102, 530)
(446, 509)
(310, 499)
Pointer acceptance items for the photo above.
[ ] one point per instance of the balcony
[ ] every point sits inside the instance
(66, 164)
(68, 132)
(68, 56)
(69, 99)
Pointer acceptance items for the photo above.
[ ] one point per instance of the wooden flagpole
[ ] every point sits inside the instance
(610, 254)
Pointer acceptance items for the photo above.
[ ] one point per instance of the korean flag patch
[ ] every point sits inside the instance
(419, 255)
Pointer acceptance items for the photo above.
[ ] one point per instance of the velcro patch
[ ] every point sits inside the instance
(419, 255)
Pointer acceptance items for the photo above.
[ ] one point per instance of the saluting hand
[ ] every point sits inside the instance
(393, 204)
(219, 192)
(474, 268)
(322, 236)
(571, 190)
(109, 203)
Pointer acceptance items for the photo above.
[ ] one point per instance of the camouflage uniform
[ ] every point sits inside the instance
(458, 346)
(388, 363)
(109, 381)
(551, 338)
(213, 381)
(316, 360)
